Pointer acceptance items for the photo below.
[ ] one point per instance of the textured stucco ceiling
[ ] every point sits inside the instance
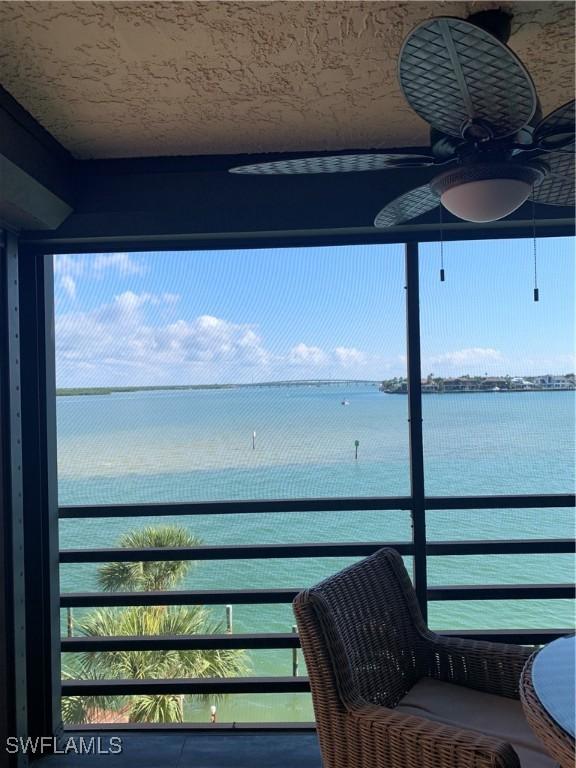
(129, 79)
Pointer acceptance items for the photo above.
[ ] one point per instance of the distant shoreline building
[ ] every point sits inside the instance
(439, 385)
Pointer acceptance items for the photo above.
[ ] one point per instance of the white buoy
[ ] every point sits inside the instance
(253, 441)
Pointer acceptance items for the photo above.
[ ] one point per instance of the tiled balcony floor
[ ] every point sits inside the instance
(198, 750)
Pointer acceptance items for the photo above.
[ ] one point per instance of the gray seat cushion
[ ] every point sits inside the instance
(484, 713)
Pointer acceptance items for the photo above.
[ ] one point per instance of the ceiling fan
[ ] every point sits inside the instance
(490, 150)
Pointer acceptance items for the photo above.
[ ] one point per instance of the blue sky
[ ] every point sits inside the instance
(242, 316)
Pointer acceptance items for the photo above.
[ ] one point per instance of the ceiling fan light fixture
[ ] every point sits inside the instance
(484, 193)
(486, 200)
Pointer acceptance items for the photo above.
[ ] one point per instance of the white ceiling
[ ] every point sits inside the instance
(126, 79)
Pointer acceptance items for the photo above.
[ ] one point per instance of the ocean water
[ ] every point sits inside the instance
(197, 446)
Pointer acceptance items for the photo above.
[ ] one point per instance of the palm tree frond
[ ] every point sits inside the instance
(77, 710)
(148, 576)
(157, 709)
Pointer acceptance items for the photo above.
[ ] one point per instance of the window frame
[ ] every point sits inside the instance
(41, 513)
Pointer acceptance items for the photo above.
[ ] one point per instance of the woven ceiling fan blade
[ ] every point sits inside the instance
(377, 161)
(453, 72)
(557, 186)
(557, 129)
(408, 206)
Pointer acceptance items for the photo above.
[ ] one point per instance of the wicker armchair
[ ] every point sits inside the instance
(389, 693)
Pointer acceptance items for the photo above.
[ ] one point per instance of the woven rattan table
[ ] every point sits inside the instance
(547, 691)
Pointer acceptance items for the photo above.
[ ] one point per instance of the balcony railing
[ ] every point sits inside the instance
(249, 596)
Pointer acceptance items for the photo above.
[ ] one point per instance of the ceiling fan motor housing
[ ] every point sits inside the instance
(483, 192)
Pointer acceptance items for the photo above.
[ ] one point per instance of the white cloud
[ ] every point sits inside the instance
(72, 266)
(117, 344)
(66, 264)
(303, 354)
(138, 338)
(467, 356)
(129, 301)
(69, 285)
(67, 269)
(350, 356)
(211, 339)
(122, 262)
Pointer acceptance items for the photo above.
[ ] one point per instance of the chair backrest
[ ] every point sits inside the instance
(366, 621)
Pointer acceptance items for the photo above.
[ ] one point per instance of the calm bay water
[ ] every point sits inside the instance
(197, 446)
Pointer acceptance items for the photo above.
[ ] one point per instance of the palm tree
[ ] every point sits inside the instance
(146, 620)
(148, 576)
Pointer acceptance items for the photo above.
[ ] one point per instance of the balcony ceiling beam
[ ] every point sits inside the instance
(36, 172)
(193, 202)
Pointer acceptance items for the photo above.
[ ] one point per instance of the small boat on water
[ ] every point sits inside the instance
(345, 402)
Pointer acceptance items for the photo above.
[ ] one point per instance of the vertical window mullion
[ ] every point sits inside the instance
(415, 424)
(39, 451)
(13, 693)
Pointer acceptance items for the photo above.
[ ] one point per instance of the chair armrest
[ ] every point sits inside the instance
(415, 742)
(484, 666)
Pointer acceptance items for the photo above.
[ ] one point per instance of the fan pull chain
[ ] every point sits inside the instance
(441, 247)
(536, 291)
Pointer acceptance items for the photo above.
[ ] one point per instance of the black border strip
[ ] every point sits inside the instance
(279, 596)
(332, 504)
(338, 549)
